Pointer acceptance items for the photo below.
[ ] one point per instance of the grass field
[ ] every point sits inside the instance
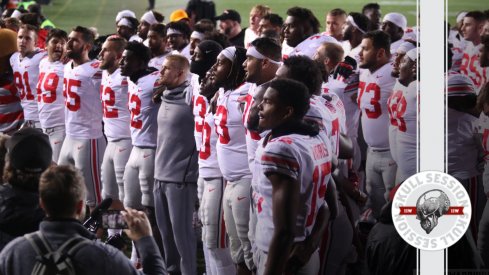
(455, 6)
(101, 13)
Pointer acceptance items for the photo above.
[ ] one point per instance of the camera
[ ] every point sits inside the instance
(113, 219)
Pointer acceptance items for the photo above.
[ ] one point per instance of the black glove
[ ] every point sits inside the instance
(345, 69)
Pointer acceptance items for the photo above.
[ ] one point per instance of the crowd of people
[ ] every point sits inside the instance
(283, 143)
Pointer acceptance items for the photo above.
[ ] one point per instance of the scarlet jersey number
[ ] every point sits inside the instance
(397, 107)
(68, 86)
(205, 148)
(135, 109)
(319, 188)
(471, 68)
(374, 89)
(49, 83)
(108, 102)
(23, 86)
(221, 122)
(199, 121)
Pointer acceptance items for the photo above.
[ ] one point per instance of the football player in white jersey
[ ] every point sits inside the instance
(398, 56)
(340, 81)
(25, 65)
(403, 107)
(263, 58)
(228, 73)
(214, 236)
(178, 38)
(356, 25)
(394, 24)
(299, 24)
(139, 171)
(84, 144)
(114, 95)
(210, 209)
(127, 28)
(375, 87)
(464, 148)
(323, 112)
(50, 99)
(471, 30)
(157, 45)
(149, 18)
(205, 55)
(294, 171)
(335, 22)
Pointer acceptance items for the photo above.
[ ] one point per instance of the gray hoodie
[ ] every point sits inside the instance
(176, 154)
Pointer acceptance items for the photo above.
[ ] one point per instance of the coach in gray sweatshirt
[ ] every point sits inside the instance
(176, 169)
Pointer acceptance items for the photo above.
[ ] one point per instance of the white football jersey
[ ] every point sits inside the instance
(317, 112)
(114, 95)
(402, 106)
(355, 54)
(200, 106)
(345, 89)
(26, 75)
(458, 46)
(157, 61)
(470, 65)
(208, 164)
(309, 46)
(286, 50)
(252, 137)
(394, 46)
(303, 158)
(373, 92)
(331, 119)
(50, 100)
(250, 36)
(143, 111)
(332, 99)
(231, 144)
(81, 89)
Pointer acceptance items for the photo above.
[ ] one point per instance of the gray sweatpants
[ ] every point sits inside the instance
(174, 206)
(380, 172)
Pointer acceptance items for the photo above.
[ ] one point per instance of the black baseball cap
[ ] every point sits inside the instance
(229, 14)
(29, 150)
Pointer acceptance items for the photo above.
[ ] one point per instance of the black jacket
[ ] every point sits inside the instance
(19, 213)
